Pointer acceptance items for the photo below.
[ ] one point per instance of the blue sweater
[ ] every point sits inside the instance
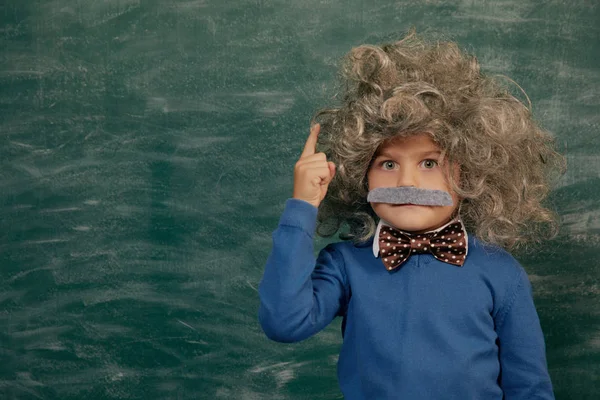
(428, 330)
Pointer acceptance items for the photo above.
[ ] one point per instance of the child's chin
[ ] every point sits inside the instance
(412, 223)
(412, 226)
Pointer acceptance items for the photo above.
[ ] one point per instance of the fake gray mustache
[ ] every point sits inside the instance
(409, 195)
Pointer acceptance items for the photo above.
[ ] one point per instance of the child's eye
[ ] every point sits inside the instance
(388, 164)
(429, 163)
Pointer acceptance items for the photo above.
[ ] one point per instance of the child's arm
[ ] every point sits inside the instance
(295, 305)
(524, 372)
(299, 295)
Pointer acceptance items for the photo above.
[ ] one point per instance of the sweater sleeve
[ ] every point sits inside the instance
(524, 372)
(299, 295)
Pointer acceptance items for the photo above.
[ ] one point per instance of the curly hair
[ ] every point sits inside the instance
(508, 164)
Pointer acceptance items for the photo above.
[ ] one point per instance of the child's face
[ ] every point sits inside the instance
(412, 161)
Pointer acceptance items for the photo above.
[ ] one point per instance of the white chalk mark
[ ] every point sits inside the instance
(45, 241)
(22, 206)
(21, 144)
(59, 210)
(25, 273)
(258, 370)
(33, 171)
(111, 16)
(189, 326)
(17, 72)
(252, 286)
(202, 342)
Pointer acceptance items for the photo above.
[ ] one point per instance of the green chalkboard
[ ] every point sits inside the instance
(147, 150)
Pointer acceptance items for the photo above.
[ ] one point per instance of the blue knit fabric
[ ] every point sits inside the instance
(428, 330)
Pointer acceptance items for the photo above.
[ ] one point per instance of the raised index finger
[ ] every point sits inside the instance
(311, 143)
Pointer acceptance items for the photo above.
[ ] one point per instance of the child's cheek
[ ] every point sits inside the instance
(376, 177)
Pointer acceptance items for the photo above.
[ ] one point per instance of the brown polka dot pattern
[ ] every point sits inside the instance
(448, 245)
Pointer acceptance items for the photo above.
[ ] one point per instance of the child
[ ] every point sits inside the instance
(431, 168)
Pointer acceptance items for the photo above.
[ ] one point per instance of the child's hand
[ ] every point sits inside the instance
(312, 173)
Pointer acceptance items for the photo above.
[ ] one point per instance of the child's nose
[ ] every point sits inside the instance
(406, 178)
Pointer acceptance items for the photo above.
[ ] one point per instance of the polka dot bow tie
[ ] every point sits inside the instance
(448, 244)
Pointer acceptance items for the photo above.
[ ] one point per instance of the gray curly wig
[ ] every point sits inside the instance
(508, 164)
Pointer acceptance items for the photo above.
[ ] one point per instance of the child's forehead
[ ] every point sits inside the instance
(422, 142)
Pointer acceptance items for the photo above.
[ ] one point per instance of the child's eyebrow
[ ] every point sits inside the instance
(426, 153)
(431, 153)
